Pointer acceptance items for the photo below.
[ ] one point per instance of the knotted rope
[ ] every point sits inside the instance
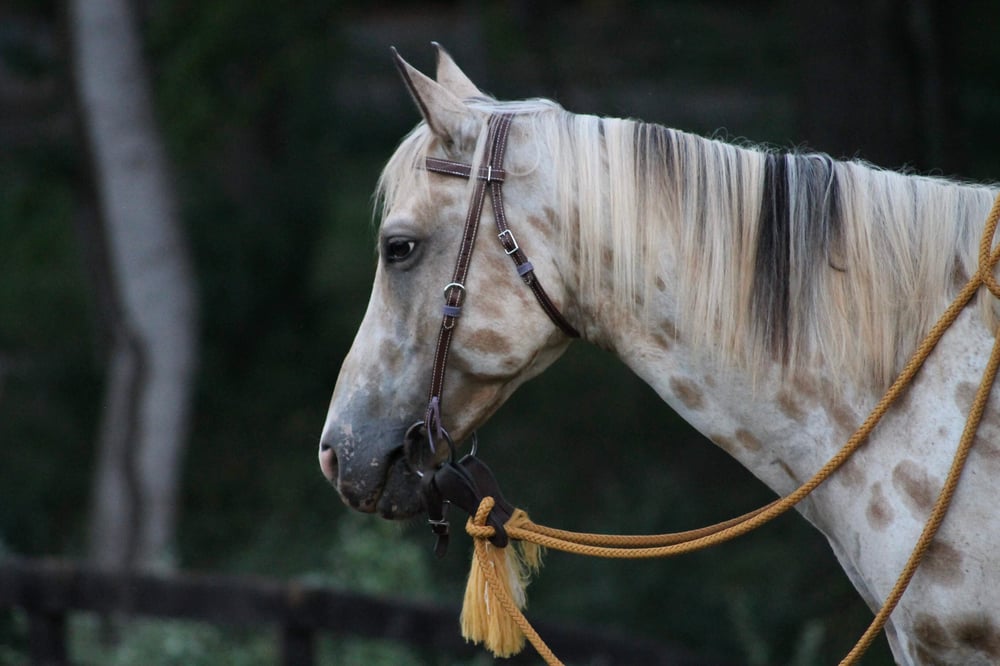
(509, 594)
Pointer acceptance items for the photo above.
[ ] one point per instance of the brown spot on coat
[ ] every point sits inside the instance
(979, 633)
(928, 630)
(662, 341)
(923, 655)
(963, 639)
(488, 342)
(539, 223)
(943, 564)
(807, 388)
(669, 329)
(724, 443)
(687, 392)
(965, 393)
(959, 276)
(986, 448)
(930, 639)
(747, 440)
(915, 485)
(843, 417)
(790, 407)
(879, 511)
(666, 334)
(660, 284)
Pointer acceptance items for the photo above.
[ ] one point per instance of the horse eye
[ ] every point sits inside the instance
(398, 249)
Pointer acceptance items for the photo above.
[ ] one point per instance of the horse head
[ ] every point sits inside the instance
(375, 443)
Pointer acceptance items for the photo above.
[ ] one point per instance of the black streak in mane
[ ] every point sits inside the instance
(799, 236)
(653, 147)
(772, 265)
(822, 211)
(799, 226)
(654, 151)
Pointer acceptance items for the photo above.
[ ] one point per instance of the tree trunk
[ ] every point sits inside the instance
(152, 311)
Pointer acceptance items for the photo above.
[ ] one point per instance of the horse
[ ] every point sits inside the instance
(768, 297)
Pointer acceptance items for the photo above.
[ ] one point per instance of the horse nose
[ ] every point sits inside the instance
(328, 462)
(355, 494)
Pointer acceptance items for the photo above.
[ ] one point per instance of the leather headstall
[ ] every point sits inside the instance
(456, 479)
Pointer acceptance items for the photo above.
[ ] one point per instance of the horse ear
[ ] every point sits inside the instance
(451, 77)
(446, 115)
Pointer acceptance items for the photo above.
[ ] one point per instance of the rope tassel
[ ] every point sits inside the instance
(496, 585)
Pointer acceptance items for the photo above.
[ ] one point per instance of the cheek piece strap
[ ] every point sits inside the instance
(465, 480)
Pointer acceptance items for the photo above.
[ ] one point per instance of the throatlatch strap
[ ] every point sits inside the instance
(490, 175)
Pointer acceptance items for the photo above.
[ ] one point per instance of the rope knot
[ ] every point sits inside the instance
(476, 526)
(495, 591)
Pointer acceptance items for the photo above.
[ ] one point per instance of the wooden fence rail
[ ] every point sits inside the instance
(48, 590)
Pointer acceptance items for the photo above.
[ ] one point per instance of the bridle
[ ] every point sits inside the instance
(454, 481)
(489, 176)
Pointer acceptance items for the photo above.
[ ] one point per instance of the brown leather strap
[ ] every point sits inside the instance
(524, 267)
(490, 175)
(447, 167)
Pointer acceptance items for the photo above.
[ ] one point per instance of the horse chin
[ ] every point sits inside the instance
(400, 498)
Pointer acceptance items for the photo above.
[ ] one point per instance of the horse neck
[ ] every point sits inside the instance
(784, 426)
(761, 416)
(780, 427)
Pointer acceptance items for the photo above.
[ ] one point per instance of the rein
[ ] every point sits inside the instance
(494, 523)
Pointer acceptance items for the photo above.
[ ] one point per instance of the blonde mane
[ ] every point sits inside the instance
(794, 258)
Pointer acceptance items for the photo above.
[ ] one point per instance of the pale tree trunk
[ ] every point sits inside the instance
(152, 309)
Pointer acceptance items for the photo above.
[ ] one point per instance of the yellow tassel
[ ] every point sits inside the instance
(483, 619)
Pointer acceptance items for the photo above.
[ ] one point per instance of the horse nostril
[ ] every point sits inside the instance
(328, 462)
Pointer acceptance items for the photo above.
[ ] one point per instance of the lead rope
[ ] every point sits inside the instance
(520, 527)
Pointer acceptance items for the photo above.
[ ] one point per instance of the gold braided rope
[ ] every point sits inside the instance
(665, 545)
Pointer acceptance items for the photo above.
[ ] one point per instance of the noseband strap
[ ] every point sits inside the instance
(489, 176)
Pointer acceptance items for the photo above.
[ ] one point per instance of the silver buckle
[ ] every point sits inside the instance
(507, 232)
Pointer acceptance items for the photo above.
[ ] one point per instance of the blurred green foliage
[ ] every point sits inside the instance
(278, 117)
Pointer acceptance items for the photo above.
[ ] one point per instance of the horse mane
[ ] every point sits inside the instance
(786, 257)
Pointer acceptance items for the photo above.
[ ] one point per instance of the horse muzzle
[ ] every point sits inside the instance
(371, 481)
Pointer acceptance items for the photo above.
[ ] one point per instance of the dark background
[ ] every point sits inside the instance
(278, 117)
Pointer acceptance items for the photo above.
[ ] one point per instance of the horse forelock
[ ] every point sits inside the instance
(784, 257)
(402, 173)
